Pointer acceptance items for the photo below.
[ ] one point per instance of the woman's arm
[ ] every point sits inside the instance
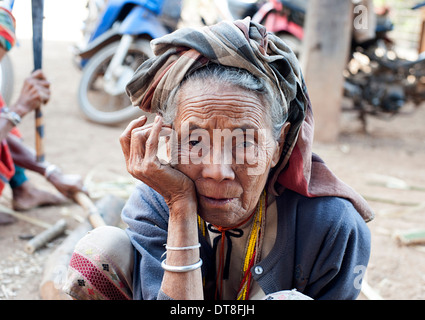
(24, 156)
(67, 184)
(35, 91)
(5, 127)
(139, 143)
(336, 254)
(183, 232)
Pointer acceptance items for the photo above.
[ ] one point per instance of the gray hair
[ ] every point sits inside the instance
(238, 77)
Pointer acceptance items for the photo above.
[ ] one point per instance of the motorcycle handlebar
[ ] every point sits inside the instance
(418, 5)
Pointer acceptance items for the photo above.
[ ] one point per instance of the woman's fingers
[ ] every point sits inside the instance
(38, 74)
(140, 144)
(152, 142)
(43, 93)
(125, 137)
(143, 160)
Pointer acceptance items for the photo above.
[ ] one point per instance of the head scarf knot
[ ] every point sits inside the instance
(247, 45)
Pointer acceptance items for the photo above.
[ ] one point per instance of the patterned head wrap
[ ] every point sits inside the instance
(7, 29)
(247, 45)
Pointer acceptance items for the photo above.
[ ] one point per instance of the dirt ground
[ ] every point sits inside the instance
(392, 149)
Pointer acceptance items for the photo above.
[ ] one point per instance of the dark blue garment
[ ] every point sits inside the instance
(322, 246)
(18, 178)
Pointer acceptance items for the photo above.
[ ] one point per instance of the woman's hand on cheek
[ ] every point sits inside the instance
(139, 143)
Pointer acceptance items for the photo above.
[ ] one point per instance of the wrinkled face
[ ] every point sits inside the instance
(226, 147)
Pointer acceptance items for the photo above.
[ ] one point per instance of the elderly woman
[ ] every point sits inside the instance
(242, 208)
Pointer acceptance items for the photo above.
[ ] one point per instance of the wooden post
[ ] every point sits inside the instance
(326, 44)
(421, 47)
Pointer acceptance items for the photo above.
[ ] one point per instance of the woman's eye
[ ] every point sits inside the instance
(193, 143)
(245, 144)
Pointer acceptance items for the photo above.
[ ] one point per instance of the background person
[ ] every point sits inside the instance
(14, 154)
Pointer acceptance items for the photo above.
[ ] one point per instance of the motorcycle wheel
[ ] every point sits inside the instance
(6, 79)
(98, 105)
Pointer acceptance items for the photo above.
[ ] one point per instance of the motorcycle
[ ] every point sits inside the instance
(285, 19)
(117, 45)
(240, 9)
(377, 80)
(116, 36)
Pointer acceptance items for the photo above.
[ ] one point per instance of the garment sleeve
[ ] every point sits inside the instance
(146, 215)
(7, 168)
(342, 253)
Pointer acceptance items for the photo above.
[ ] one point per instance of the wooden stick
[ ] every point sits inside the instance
(34, 221)
(37, 7)
(412, 237)
(94, 216)
(39, 135)
(46, 236)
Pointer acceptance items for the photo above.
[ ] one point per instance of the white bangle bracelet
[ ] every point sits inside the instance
(188, 268)
(50, 169)
(196, 246)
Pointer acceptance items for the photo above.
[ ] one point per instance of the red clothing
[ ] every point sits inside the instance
(7, 168)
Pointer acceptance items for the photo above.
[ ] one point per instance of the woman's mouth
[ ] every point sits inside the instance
(215, 201)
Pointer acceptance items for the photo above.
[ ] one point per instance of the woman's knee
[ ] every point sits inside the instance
(101, 266)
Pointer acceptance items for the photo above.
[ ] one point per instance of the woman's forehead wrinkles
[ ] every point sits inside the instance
(234, 103)
(187, 96)
(220, 117)
(238, 105)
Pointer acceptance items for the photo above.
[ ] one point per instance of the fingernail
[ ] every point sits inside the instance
(157, 119)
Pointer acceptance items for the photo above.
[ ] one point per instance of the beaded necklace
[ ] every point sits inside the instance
(252, 249)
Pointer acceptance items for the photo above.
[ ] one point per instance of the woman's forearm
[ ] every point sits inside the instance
(183, 232)
(5, 127)
(24, 156)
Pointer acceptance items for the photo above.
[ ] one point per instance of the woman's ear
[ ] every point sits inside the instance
(278, 152)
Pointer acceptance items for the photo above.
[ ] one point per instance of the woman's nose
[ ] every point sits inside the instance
(218, 172)
(219, 167)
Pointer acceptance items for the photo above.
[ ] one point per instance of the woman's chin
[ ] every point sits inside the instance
(223, 212)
